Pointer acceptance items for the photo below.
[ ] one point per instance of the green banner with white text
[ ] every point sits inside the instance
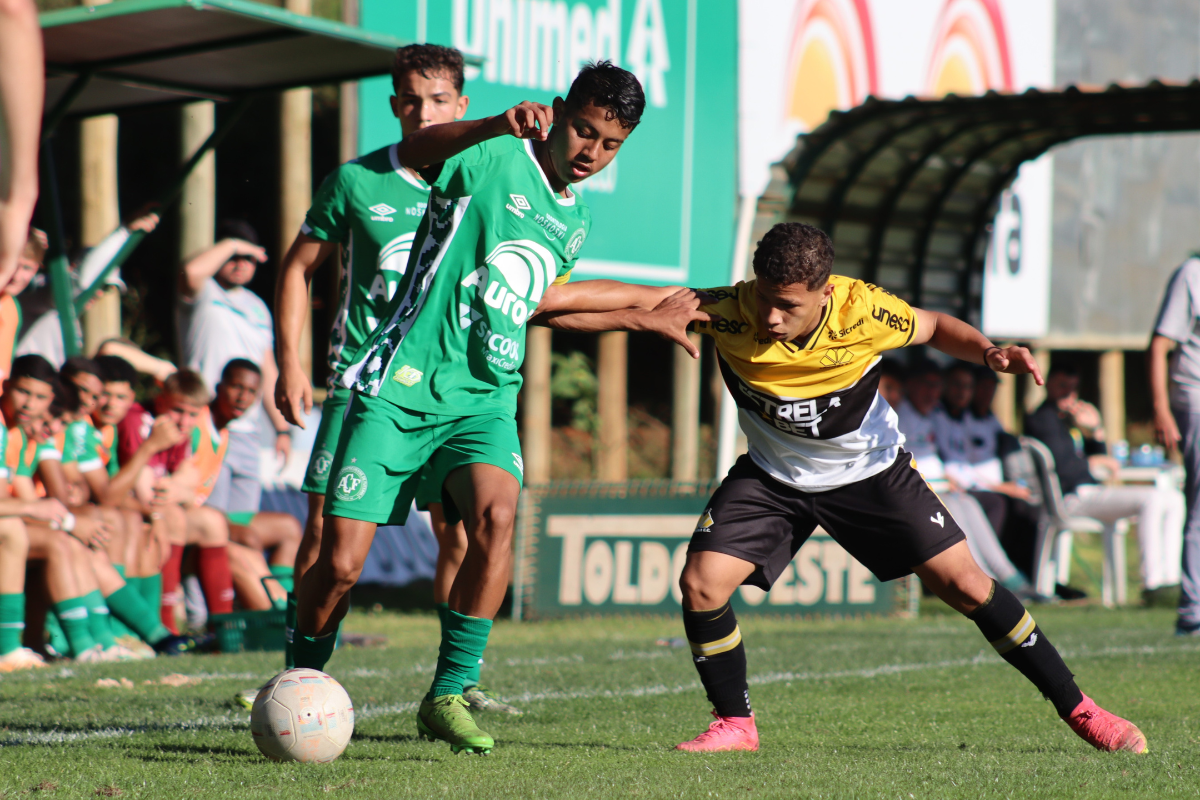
(663, 212)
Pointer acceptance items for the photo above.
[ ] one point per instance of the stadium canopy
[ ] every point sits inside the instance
(908, 188)
(135, 53)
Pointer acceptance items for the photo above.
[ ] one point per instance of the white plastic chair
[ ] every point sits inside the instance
(1052, 557)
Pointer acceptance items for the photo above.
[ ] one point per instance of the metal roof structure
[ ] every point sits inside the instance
(140, 52)
(908, 188)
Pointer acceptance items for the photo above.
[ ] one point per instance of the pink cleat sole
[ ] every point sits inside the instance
(723, 735)
(1105, 730)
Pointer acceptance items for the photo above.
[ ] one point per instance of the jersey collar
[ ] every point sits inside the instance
(402, 172)
(562, 201)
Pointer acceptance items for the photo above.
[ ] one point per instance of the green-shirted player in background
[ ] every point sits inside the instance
(437, 381)
(370, 208)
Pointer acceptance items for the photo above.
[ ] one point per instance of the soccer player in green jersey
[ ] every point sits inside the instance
(370, 207)
(437, 381)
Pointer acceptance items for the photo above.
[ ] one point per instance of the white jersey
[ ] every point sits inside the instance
(920, 440)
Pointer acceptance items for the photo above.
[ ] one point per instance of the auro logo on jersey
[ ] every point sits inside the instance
(553, 228)
(575, 242)
(527, 269)
(382, 212)
(351, 484)
(321, 462)
(409, 376)
(837, 357)
(393, 260)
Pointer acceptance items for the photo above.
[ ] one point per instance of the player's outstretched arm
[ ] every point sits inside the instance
(208, 263)
(293, 392)
(435, 144)
(22, 87)
(956, 338)
(670, 319)
(600, 295)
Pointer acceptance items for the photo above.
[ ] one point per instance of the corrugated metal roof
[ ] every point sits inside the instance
(908, 188)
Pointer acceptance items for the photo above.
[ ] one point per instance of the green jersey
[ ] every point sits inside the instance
(83, 445)
(371, 207)
(494, 238)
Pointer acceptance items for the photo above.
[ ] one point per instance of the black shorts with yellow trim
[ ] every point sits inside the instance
(890, 522)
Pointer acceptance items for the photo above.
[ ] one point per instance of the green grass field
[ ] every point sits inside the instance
(877, 708)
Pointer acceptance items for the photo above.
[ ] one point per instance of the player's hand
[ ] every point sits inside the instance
(166, 492)
(164, 435)
(293, 395)
(670, 318)
(1086, 415)
(145, 219)
(1015, 360)
(1166, 430)
(47, 510)
(527, 120)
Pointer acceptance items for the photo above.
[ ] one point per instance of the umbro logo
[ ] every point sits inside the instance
(382, 212)
(520, 202)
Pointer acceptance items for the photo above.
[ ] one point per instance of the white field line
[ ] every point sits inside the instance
(983, 658)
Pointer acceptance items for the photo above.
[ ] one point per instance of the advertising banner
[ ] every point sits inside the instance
(800, 59)
(608, 549)
(663, 212)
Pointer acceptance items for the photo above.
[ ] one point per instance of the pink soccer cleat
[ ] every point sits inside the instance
(1104, 730)
(727, 733)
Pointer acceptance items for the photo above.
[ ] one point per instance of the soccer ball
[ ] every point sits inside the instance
(302, 715)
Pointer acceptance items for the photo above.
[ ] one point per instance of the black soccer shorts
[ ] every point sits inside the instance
(890, 522)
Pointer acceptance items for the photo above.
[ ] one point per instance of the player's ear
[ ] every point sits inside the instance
(826, 293)
(463, 102)
(560, 109)
(394, 102)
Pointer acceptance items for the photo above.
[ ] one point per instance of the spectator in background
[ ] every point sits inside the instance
(1073, 431)
(22, 88)
(891, 382)
(1177, 416)
(918, 419)
(220, 320)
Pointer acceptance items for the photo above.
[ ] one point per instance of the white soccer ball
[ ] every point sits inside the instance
(302, 715)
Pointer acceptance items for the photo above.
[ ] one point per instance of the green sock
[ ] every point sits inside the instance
(55, 638)
(472, 677)
(12, 622)
(98, 619)
(120, 568)
(312, 652)
(463, 642)
(129, 607)
(73, 616)
(150, 588)
(284, 575)
(289, 632)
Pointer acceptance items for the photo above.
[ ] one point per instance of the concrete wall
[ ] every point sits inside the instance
(1126, 209)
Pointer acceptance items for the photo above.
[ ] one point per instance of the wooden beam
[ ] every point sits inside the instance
(198, 201)
(685, 415)
(99, 215)
(295, 178)
(1112, 394)
(612, 461)
(535, 405)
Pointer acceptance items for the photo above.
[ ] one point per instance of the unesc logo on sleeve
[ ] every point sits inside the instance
(408, 376)
(351, 484)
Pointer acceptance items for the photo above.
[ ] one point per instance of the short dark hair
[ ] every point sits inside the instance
(114, 369)
(33, 366)
(431, 60)
(236, 229)
(66, 399)
(922, 368)
(891, 368)
(187, 384)
(959, 366)
(1067, 368)
(985, 373)
(607, 86)
(239, 363)
(76, 365)
(792, 252)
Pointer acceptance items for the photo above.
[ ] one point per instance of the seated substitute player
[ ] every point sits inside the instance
(428, 83)
(437, 381)
(799, 351)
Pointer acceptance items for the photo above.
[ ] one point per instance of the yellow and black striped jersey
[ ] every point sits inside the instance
(811, 410)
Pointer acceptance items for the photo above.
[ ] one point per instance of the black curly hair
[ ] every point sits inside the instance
(431, 60)
(607, 86)
(792, 252)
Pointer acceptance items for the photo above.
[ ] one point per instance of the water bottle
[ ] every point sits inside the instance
(1120, 451)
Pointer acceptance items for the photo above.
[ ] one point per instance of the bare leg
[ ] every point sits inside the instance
(452, 549)
(710, 579)
(310, 542)
(956, 579)
(14, 551)
(324, 597)
(270, 530)
(487, 496)
(55, 548)
(249, 568)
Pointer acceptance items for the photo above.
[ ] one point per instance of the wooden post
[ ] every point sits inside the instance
(1035, 395)
(295, 177)
(685, 415)
(100, 215)
(198, 201)
(1004, 404)
(535, 409)
(612, 462)
(348, 98)
(1112, 394)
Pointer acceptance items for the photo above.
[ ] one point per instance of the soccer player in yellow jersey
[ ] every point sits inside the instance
(799, 349)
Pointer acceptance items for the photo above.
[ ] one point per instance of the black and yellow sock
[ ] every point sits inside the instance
(1005, 623)
(720, 658)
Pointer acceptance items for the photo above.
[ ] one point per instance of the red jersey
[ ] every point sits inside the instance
(135, 429)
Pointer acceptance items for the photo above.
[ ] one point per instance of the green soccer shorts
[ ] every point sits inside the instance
(333, 410)
(383, 449)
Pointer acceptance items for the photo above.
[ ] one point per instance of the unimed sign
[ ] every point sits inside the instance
(571, 563)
